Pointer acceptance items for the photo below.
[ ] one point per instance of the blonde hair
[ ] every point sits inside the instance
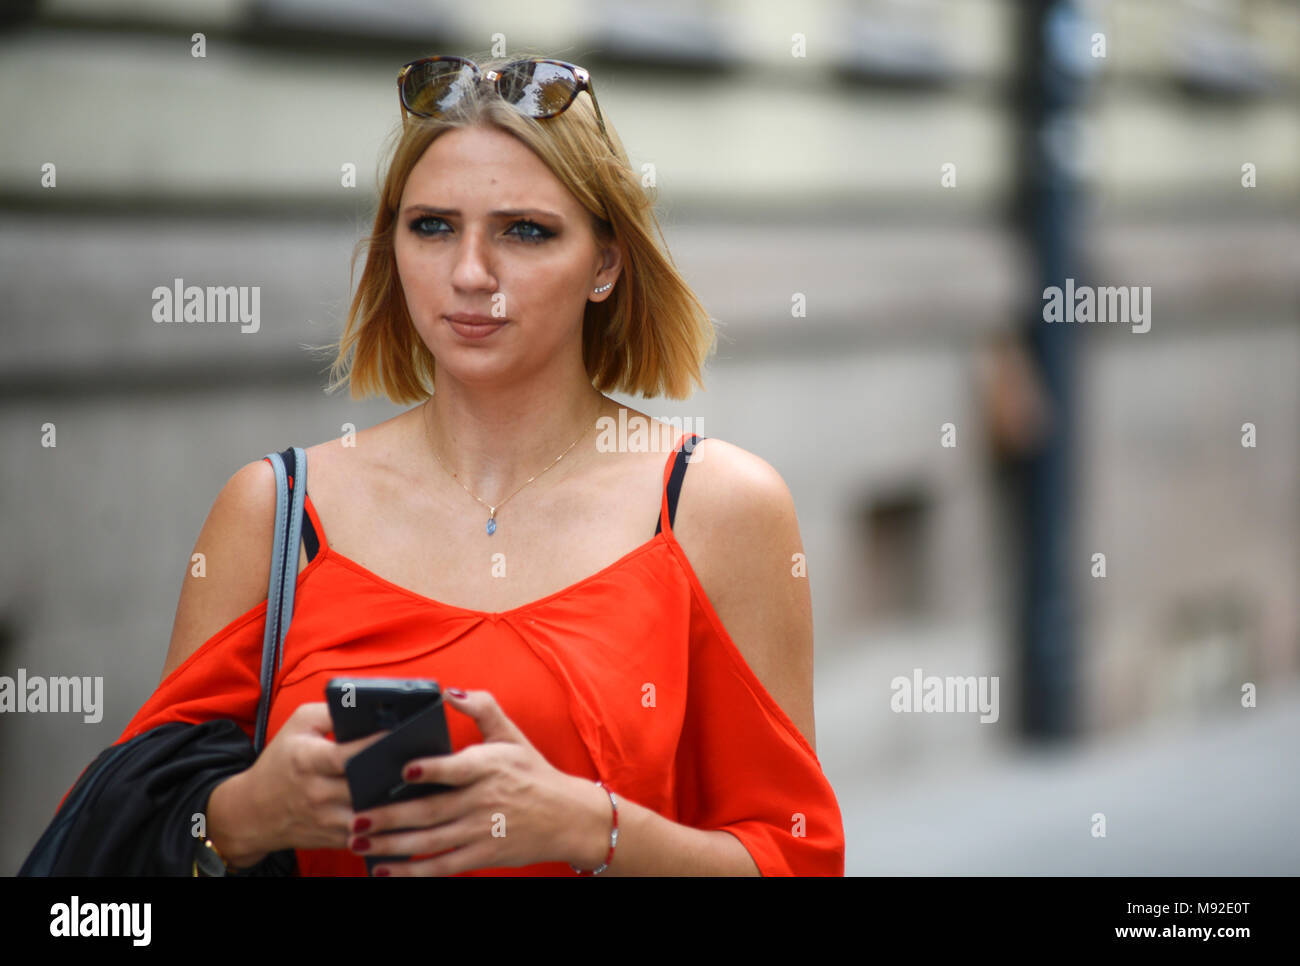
(650, 337)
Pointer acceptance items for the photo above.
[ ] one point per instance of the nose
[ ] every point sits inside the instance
(473, 266)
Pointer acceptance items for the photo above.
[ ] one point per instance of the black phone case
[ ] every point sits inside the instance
(375, 774)
(381, 704)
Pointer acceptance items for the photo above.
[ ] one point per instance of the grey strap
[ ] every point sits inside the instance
(284, 577)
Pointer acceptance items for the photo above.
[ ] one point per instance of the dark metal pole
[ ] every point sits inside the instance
(1055, 66)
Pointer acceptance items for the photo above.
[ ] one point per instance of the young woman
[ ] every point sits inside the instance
(619, 640)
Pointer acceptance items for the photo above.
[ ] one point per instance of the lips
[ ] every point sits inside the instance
(472, 326)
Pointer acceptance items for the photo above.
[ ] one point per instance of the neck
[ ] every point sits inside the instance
(495, 439)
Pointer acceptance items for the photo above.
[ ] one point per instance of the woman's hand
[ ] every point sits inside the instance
(296, 794)
(511, 807)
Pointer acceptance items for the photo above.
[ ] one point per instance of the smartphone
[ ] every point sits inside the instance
(413, 711)
(362, 706)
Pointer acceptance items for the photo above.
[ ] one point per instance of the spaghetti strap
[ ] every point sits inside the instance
(309, 538)
(673, 486)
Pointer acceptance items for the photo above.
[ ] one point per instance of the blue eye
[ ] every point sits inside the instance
(418, 225)
(538, 235)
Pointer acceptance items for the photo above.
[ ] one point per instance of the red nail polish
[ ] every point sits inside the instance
(381, 872)
(457, 693)
(360, 845)
(412, 773)
(361, 824)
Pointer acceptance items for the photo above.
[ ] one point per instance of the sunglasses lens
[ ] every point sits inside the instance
(432, 89)
(538, 90)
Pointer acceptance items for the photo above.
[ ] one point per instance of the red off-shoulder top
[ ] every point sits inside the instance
(712, 751)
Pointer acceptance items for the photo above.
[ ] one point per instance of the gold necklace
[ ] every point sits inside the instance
(492, 510)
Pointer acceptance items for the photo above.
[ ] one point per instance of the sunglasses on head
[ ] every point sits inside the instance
(537, 87)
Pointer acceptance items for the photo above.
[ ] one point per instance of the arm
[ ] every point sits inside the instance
(230, 823)
(235, 542)
(235, 574)
(291, 795)
(736, 523)
(649, 844)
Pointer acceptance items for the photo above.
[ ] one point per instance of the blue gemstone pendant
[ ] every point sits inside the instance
(491, 526)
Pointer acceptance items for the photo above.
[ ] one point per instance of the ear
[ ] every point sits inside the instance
(611, 267)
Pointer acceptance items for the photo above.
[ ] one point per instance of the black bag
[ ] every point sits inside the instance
(130, 812)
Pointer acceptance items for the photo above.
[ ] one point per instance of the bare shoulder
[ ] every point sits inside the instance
(737, 524)
(737, 478)
(228, 571)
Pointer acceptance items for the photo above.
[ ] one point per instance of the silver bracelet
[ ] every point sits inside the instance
(613, 837)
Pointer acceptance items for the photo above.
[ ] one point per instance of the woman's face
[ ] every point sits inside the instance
(484, 228)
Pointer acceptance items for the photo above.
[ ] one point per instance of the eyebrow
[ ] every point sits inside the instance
(499, 213)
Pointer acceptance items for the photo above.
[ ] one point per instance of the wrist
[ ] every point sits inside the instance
(229, 823)
(589, 842)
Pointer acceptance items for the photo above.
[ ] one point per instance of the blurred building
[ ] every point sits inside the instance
(854, 158)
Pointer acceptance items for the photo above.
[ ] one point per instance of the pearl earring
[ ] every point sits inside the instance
(606, 287)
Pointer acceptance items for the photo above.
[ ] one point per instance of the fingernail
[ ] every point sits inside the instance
(412, 773)
(360, 844)
(381, 871)
(457, 693)
(361, 824)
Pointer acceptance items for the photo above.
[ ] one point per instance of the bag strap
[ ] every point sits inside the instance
(284, 573)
